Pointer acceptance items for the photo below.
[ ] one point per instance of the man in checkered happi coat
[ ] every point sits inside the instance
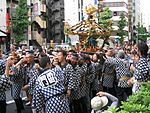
(108, 73)
(122, 76)
(50, 90)
(141, 69)
(5, 83)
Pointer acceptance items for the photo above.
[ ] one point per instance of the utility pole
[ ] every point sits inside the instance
(137, 35)
(11, 28)
(30, 26)
(100, 9)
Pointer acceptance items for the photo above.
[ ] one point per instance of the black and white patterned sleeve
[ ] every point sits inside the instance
(91, 74)
(70, 77)
(5, 83)
(2, 66)
(38, 98)
(77, 78)
(33, 79)
(141, 70)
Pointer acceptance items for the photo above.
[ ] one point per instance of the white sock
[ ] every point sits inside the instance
(33, 110)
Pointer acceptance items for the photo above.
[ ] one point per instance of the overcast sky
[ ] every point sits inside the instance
(145, 9)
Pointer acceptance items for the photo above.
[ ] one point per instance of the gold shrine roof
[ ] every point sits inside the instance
(86, 27)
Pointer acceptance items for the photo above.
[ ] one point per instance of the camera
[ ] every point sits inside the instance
(36, 60)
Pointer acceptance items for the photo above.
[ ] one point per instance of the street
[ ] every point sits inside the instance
(11, 107)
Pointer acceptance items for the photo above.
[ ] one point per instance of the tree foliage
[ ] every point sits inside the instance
(105, 22)
(138, 102)
(142, 32)
(20, 22)
(121, 25)
(141, 29)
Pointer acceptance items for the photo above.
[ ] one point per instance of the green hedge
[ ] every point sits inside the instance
(137, 103)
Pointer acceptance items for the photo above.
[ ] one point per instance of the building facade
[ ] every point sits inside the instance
(117, 7)
(73, 13)
(55, 20)
(134, 16)
(76, 12)
(136, 12)
(3, 6)
(62, 11)
(3, 35)
(7, 11)
(37, 16)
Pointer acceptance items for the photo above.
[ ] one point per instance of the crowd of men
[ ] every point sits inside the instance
(65, 81)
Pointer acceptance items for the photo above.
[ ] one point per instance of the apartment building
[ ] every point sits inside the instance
(6, 6)
(76, 12)
(61, 11)
(3, 17)
(2, 23)
(136, 12)
(117, 7)
(55, 20)
(134, 16)
(37, 16)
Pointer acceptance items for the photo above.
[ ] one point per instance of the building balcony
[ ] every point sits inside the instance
(43, 16)
(56, 0)
(115, 28)
(119, 9)
(13, 1)
(40, 22)
(54, 22)
(43, 8)
(55, 10)
(43, 33)
(38, 37)
(43, 1)
(117, 18)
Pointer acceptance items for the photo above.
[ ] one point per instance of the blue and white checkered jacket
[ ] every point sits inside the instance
(49, 91)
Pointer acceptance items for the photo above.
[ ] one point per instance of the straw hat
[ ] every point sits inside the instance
(98, 102)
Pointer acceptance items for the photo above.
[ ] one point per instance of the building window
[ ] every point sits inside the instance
(115, 4)
(115, 13)
(79, 15)
(118, 13)
(125, 5)
(79, 4)
(82, 15)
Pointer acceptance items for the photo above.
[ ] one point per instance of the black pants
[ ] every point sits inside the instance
(19, 105)
(111, 91)
(79, 106)
(93, 93)
(123, 93)
(3, 106)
